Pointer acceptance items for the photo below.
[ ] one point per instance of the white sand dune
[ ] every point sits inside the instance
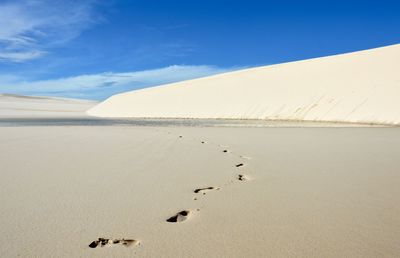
(12, 106)
(359, 87)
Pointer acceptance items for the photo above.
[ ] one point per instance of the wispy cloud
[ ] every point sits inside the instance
(100, 86)
(28, 28)
(21, 56)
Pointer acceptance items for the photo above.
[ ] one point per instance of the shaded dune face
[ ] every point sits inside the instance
(358, 87)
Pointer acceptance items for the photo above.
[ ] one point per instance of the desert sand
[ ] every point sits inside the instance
(303, 192)
(359, 87)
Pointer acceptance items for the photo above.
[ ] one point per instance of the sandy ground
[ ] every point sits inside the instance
(311, 192)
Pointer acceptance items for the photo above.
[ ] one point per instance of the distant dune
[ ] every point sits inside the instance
(359, 87)
(34, 106)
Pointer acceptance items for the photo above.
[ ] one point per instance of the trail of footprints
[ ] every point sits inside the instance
(185, 214)
(176, 218)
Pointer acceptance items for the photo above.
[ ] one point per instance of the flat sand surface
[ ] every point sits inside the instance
(310, 192)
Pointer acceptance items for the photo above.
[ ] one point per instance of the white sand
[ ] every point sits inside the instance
(314, 192)
(12, 106)
(309, 192)
(357, 87)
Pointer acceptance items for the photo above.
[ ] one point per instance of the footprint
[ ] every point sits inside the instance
(180, 136)
(102, 242)
(180, 216)
(242, 178)
(244, 157)
(205, 189)
(239, 165)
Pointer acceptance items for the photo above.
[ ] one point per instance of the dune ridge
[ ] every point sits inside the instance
(358, 87)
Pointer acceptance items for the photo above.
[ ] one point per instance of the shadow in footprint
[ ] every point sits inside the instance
(242, 178)
(205, 189)
(179, 217)
(239, 165)
(103, 242)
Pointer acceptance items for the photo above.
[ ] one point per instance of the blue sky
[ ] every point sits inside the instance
(94, 48)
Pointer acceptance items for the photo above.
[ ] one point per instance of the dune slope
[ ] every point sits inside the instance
(360, 87)
(34, 106)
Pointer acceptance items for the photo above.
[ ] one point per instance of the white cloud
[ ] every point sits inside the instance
(20, 56)
(99, 86)
(28, 27)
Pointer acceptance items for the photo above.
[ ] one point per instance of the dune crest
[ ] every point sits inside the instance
(359, 87)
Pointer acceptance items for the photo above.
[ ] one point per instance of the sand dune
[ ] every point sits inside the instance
(12, 106)
(360, 87)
